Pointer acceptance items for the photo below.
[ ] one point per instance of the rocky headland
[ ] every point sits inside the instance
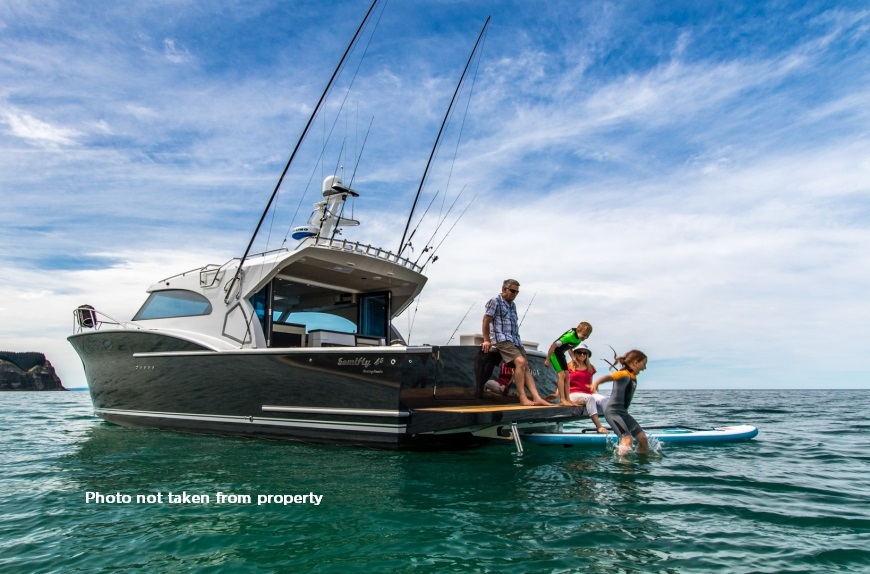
(27, 372)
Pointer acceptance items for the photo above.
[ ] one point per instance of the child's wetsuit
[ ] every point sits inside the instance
(568, 340)
(616, 413)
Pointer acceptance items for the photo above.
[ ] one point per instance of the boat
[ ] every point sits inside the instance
(253, 361)
(299, 343)
(668, 434)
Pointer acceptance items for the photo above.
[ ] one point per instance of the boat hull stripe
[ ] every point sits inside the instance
(241, 420)
(329, 411)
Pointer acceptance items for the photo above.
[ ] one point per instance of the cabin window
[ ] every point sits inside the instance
(325, 321)
(173, 303)
(261, 302)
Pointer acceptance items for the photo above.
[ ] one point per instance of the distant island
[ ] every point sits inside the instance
(27, 372)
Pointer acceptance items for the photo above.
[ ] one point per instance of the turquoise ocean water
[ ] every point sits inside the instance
(795, 499)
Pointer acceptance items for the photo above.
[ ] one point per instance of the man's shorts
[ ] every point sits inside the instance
(509, 351)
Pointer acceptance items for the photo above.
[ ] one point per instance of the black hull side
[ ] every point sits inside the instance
(386, 397)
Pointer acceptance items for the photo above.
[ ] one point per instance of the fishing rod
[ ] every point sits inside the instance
(432, 257)
(437, 227)
(338, 164)
(414, 232)
(460, 323)
(235, 279)
(438, 138)
(332, 129)
(326, 212)
(428, 245)
(361, 150)
(441, 216)
(350, 185)
(535, 294)
(314, 171)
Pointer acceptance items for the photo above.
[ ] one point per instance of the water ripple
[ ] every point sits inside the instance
(795, 499)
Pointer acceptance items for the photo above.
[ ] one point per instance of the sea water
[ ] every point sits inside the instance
(82, 495)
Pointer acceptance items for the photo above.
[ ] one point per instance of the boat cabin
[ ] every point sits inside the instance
(295, 314)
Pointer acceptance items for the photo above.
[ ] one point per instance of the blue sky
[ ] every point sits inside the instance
(690, 177)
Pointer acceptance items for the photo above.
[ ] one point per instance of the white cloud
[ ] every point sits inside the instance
(36, 131)
(35, 294)
(175, 53)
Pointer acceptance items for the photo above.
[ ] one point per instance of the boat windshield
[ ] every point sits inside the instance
(173, 303)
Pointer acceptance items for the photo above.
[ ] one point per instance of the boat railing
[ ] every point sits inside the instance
(370, 250)
(210, 274)
(86, 317)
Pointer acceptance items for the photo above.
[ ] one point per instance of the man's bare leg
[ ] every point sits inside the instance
(523, 376)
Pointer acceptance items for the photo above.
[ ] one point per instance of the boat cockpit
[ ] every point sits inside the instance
(295, 314)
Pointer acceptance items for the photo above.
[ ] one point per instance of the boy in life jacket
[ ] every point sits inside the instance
(556, 357)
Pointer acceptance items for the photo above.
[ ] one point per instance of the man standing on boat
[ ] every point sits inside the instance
(501, 332)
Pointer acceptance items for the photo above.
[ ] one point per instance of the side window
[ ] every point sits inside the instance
(173, 303)
(260, 302)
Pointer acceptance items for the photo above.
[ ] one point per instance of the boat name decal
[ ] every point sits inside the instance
(359, 361)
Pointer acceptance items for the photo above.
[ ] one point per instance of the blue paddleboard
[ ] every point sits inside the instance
(675, 434)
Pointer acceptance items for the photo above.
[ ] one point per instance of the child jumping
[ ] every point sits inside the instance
(616, 412)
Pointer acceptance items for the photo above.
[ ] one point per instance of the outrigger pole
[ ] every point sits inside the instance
(438, 138)
(527, 309)
(232, 283)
